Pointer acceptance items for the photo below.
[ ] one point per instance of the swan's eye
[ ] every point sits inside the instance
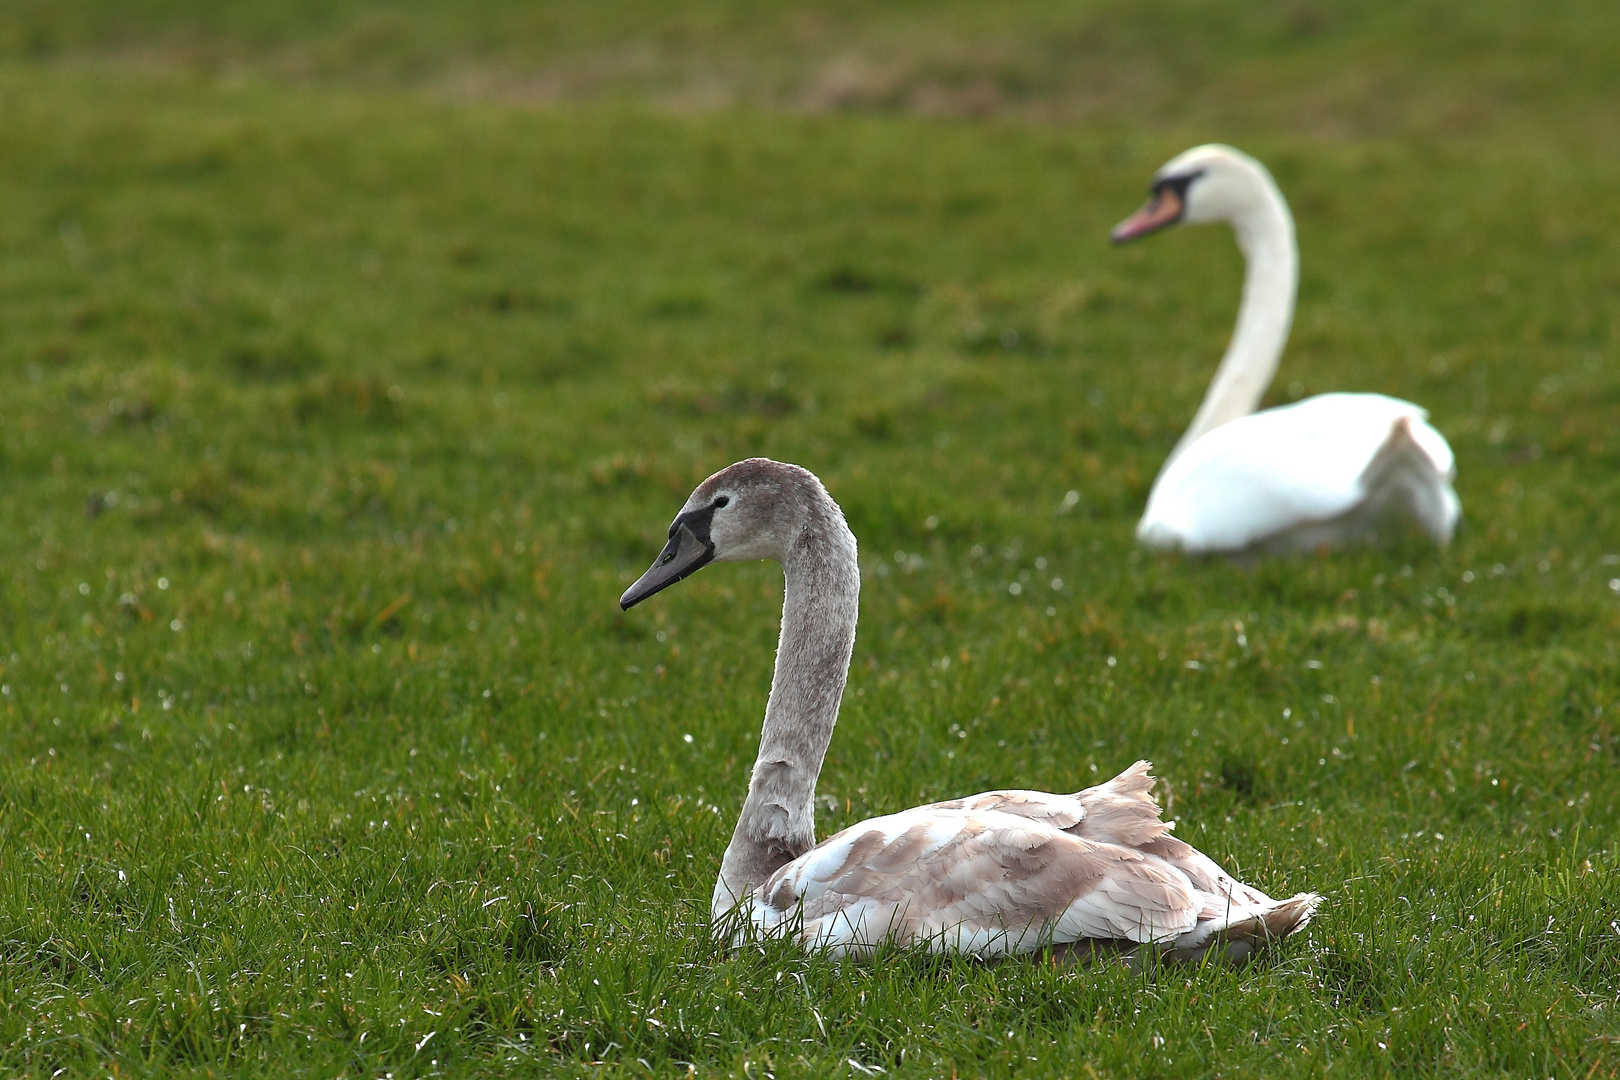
(722, 501)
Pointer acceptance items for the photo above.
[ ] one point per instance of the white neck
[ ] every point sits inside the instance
(1265, 235)
(819, 610)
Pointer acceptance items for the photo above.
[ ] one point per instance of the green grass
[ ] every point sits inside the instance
(340, 401)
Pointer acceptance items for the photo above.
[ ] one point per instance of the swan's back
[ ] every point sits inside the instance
(1325, 470)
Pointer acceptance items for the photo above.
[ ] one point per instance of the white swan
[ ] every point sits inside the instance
(995, 874)
(1325, 471)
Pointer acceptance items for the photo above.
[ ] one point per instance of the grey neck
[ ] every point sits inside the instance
(819, 611)
(1265, 235)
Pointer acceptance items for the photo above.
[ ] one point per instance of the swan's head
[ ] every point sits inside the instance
(1205, 184)
(755, 509)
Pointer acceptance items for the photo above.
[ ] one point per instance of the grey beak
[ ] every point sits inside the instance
(684, 555)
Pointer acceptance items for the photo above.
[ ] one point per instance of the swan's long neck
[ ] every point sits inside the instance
(812, 664)
(1265, 234)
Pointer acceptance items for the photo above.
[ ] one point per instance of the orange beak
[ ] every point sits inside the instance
(1163, 209)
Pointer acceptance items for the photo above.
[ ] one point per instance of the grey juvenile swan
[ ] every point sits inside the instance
(996, 874)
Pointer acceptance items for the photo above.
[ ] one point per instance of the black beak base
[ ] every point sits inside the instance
(684, 555)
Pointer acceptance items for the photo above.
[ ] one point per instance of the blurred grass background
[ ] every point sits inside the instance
(355, 355)
(1424, 69)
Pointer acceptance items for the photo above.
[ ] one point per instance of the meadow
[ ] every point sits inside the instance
(354, 357)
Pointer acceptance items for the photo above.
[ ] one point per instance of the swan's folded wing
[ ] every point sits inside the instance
(1059, 811)
(1120, 810)
(1123, 811)
(1272, 471)
(1414, 469)
(976, 880)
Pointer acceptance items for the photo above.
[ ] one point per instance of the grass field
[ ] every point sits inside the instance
(352, 359)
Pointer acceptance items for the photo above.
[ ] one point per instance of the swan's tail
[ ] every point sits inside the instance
(1243, 940)
(1236, 944)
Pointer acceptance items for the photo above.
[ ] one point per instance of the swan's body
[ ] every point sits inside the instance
(1009, 872)
(1322, 471)
(996, 874)
(1333, 469)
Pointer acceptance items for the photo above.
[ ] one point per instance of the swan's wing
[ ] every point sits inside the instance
(972, 880)
(1410, 471)
(1271, 472)
(1062, 812)
(1230, 913)
(1121, 810)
